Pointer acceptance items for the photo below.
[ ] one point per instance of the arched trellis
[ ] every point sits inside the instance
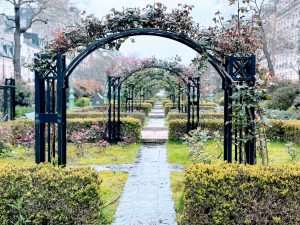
(233, 68)
(146, 78)
(171, 71)
(123, 79)
(114, 90)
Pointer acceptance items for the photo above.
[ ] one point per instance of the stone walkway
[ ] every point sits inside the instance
(155, 131)
(147, 195)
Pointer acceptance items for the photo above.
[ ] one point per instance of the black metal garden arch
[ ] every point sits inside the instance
(114, 96)
(55, 78)
(193, 92)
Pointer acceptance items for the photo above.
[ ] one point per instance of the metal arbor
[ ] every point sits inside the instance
(52, 82)
(50, 110)
(8, 104)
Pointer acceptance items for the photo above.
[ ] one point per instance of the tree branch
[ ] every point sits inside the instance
(10, 1)
(3, 14)
(33, 19)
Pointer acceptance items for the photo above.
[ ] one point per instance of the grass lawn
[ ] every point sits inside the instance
(178, 153)
(111, 188)
(177, 189)
(113, 154)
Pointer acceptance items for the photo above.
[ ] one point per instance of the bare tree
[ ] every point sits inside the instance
(34, 9)
(257, 7)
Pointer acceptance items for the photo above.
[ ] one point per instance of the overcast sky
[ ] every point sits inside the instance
(147, 46)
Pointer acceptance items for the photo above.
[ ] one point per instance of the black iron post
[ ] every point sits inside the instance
(109, 126)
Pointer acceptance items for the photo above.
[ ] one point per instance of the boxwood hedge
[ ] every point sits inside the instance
(130, 128)
(284, 130)
(45, 194)
(239, 194)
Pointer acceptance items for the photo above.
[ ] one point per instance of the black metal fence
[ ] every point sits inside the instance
(7, 100)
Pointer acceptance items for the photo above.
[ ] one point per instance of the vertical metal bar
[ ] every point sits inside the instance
(132, 101)
(225, 121)
(109, 110)
(119, 111)
(48, 124)
(54, 126)
(189, 108)
(114, 110)
(228, 113)
(140, 97)
(193, 107)
(179, 92)
(250, 147)
(61, 110)
(198, 101)
(39, 126)
(5, 101)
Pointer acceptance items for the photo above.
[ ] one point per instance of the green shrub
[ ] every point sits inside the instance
(5, 149)
(146, 107)
(22, 110)
(209, 115)
(166, 101)
(49, 195)
(24, 94)
(82, 115)
(284, 130)
(178, 127)
(238, 194)
(90, 109)
(83, 101)
(130, 128)
(283, 115)
(151, 101)
(283, 97)
(168, 106)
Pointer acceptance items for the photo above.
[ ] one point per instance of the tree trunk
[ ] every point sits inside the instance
(266, 51)
(17, 47)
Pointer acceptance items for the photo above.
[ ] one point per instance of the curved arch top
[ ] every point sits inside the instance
(154, 67)
(129, 33)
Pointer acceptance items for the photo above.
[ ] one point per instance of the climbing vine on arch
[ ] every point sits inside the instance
(218, 42)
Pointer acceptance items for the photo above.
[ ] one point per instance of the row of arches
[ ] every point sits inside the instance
(52, 82)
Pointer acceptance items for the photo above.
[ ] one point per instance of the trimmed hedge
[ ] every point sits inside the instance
(178, 127)
(284, 130)
(146, 107)
(239, 194)
(130, 127)
(151, 101)
(89, 109)
(45, 194)
(82, 115)
(210, 115)
(168, 107)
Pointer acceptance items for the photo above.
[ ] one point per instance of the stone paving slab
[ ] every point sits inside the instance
(154, 136)
(127, 167)
(156, 123)
(147, 195)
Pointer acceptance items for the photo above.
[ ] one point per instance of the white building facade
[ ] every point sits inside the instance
(282, 18)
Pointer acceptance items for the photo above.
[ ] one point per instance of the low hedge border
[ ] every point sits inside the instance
(43, 194)
(210, 115)
(284, 130)
(221, 194)
(82, 115)
(130, 128)
(151, 101)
